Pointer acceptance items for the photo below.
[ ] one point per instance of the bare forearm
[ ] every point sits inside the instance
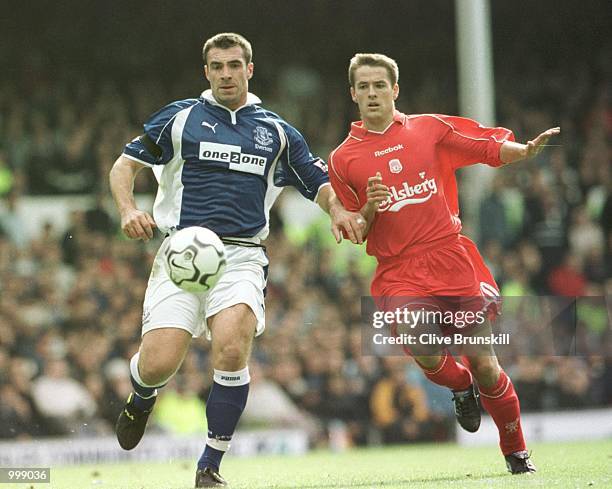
(341, 220)
(511, 152)
(327, 199)
(121, 179)
(136, 224)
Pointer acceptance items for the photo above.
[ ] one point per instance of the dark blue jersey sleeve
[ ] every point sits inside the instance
(158, 130)
(298, 167)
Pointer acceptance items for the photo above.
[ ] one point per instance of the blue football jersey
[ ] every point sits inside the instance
(224, 169)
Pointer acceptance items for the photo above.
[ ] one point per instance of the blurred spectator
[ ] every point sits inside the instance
(117, 387)
(11, 222)
(494, 225)
(529, 380)
(568, 279)
(17, 404)
(97, 218)
(399, 409)
(179, 409)
(7, 179)
(546, 222)
(62, 401)
(573, 387)
(71, 245)
(585, 236)
(16, 414)
(270, 407)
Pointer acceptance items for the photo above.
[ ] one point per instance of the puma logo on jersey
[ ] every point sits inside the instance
(204, 123)
(408, 194)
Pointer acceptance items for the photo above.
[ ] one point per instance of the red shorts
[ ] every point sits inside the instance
(448, 274)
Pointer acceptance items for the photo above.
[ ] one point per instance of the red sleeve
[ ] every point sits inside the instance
(345, 192)
(470, 143)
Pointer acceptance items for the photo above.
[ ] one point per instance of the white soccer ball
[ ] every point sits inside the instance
(195, 259)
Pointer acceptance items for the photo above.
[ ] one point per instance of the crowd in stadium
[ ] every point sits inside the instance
(70, 299)
(70, 321)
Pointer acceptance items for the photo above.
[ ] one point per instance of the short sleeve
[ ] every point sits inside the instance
(344, 191)
(298, 167)
(158, 130)
(469, 143)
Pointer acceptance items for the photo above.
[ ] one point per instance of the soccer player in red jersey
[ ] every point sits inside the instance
(399, 171)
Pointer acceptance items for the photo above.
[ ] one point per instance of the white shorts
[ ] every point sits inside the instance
(167, 306)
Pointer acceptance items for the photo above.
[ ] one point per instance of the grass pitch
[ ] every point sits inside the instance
(560, 465)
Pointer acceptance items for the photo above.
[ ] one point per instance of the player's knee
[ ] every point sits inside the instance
(231, 356)
(428, 362)
(486, 370)
(157, 372)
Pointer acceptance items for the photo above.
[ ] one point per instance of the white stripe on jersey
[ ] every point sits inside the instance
(167, 206)
(272, 192)
(283, 136)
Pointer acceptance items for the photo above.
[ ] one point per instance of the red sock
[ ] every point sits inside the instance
(449, 373)
(502, 403)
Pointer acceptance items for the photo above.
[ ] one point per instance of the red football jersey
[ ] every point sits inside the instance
(417, 156)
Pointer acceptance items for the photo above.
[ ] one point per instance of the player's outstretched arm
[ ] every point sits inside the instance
(341, 220)
(511, 151)
(136, 224)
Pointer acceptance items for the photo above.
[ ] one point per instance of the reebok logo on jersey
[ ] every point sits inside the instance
(233, 155)
(409, 194)
(388, 150)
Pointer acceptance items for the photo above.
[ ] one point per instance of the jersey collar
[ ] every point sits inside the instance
(252, 99)
(359, 131)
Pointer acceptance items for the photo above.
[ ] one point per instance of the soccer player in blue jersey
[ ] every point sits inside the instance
(221, 161)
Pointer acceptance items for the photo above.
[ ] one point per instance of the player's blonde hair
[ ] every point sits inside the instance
(373, 59)
(226, 40)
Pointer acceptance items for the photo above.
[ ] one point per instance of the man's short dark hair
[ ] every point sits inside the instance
(226, 40)
(373, 59)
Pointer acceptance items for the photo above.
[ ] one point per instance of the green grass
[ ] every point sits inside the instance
(561, 465)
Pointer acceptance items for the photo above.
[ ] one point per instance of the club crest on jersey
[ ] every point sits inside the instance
(408, 194)
(262, 136)
(395, 165)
